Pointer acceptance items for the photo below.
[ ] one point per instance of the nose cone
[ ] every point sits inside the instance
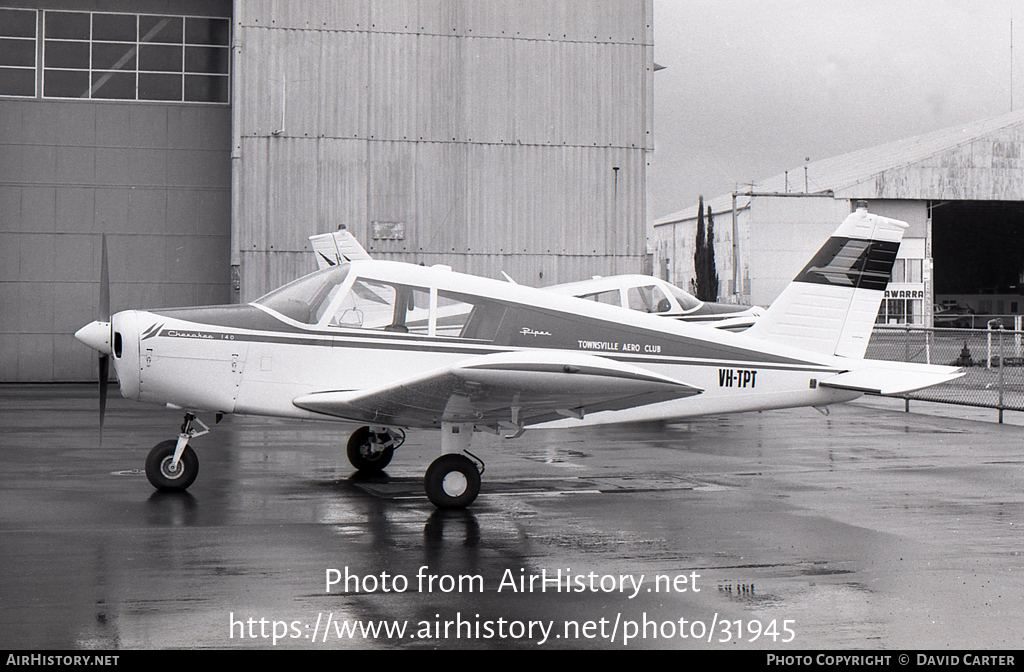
(96, 335)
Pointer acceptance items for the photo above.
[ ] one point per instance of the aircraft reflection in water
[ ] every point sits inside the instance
(394, 345)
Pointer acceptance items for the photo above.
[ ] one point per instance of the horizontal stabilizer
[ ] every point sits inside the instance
(892, 377)
(518, 387)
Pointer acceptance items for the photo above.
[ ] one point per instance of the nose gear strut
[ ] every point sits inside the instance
(187, 432)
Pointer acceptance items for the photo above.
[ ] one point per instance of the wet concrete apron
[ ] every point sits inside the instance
(866, 528)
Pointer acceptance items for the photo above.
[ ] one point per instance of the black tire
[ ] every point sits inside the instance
(158, 461)
(361, 455)
(452, 482)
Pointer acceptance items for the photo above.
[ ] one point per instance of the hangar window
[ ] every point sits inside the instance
(18, 52)
(98, 55)
(901, 311)
(907, 271)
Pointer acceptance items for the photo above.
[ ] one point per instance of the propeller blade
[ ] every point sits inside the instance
(104, 369)
(104, 285)
(104, 317)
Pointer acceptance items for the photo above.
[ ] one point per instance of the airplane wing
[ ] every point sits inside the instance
(892, 377)
(332, 249)
(503, 390)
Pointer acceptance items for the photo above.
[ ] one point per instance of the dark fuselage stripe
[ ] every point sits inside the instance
(445, 347)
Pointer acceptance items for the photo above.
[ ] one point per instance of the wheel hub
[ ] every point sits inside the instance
(454, 483)
(371, 450)
(169, 470)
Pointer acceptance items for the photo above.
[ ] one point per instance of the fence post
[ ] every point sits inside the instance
(988, 353)
(906, 358)
(1016, 335)
(1001, 358)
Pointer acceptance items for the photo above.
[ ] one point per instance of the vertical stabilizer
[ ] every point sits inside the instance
(332, 249)
(831, 305)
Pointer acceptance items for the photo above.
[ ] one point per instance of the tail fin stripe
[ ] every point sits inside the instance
(851, 262)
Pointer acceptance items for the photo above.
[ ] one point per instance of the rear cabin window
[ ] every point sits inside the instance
(610, 297)
(472, 317)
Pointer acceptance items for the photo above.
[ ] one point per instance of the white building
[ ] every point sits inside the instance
(961, 190)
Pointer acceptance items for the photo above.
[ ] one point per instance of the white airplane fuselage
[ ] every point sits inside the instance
(251, 360)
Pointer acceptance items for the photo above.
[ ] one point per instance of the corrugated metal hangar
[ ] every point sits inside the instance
(208, 140)
(961, 190)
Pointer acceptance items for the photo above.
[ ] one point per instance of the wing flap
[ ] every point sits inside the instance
(516, 388)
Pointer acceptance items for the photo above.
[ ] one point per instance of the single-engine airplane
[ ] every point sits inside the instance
(393, 345)
(636, 292)
(651, 295)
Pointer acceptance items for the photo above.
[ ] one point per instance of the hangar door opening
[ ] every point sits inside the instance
(978, 254)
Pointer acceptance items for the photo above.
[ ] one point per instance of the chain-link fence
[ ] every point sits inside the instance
(992, 358)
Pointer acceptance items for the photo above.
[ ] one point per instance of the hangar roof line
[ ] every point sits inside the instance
(960, 162)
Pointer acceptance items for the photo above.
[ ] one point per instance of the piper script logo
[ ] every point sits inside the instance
(526, 331)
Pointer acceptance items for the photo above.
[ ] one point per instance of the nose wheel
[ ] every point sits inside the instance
(172, 465)
(162, 471)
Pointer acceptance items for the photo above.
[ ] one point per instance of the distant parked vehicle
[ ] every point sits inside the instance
(953, 315)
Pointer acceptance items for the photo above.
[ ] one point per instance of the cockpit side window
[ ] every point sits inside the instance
(372, 304)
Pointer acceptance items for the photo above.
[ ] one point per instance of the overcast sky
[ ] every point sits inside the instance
(752, 87)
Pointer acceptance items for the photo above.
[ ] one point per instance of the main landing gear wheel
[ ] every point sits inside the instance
(160, 473)
(452, 482)
(371, 451)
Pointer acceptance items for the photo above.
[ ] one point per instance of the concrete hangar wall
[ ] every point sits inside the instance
(489, 136)
(101, 135)
(961, 190)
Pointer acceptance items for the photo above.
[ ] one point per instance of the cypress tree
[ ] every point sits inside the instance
(698, 254)
(710, 272)
(706, 281)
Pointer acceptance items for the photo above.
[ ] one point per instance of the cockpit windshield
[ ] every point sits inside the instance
(687, 301)
(305, 300)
